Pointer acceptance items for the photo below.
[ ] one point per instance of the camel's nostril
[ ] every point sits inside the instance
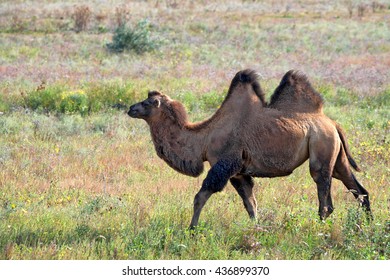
(132, 112)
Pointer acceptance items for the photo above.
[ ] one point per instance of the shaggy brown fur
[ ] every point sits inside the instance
(245, 139)
(296, 94)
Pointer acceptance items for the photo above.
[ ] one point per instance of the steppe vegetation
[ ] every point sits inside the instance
(80, 180)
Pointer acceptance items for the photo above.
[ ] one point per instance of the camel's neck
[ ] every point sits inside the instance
(180, 147)
(183, 145)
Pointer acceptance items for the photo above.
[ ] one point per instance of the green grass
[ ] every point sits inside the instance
(99, 192)
(79, 179)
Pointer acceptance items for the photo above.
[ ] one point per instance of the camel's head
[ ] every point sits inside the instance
(158, 108)
(147, 108)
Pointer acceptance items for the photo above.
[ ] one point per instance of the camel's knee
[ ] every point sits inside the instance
(201, 199)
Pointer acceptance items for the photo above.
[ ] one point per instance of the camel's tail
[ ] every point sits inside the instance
(345, 145)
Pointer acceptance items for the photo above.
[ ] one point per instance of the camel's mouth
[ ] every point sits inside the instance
(133, 112)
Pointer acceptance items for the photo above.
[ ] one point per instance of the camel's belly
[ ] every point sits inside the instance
(262, 174)
(261, 169)
(278, 162)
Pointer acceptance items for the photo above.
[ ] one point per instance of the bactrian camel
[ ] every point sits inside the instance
(247, 137)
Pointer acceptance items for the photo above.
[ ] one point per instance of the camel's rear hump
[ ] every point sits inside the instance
(295, 93)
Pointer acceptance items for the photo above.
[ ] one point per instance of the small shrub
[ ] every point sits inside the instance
(95, 205)
(81, 18)
(91, 98)
(74, 102)
(110, 94)
(44, 99)
(137, 39)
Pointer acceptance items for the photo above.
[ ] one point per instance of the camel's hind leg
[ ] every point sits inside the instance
(244, 186)
(323, 156)
(321, 175)
(342, 171)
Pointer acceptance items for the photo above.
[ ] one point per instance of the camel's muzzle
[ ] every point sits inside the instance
(133, 112)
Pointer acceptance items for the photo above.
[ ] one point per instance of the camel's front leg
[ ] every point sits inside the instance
(215, 181)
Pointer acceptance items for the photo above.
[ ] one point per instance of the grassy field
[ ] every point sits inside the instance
(79, 179)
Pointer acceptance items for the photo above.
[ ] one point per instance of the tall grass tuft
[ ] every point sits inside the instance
(81, 17)
(122, 15)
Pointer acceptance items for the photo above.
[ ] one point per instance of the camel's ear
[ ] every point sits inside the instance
(156, 103)
(153, 93)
